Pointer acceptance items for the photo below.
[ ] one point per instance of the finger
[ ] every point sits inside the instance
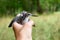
(16, 25)
(31, 22)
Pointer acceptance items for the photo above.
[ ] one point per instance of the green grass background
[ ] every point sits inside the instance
(47, 27)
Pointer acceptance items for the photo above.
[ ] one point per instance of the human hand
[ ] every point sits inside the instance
(17, 26)
(22, 29)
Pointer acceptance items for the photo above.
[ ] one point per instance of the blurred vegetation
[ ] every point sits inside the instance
(11, 7)
(47, 27)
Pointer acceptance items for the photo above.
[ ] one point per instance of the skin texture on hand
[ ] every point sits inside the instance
(23, 32)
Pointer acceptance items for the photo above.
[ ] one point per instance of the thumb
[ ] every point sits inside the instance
(31, 22)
